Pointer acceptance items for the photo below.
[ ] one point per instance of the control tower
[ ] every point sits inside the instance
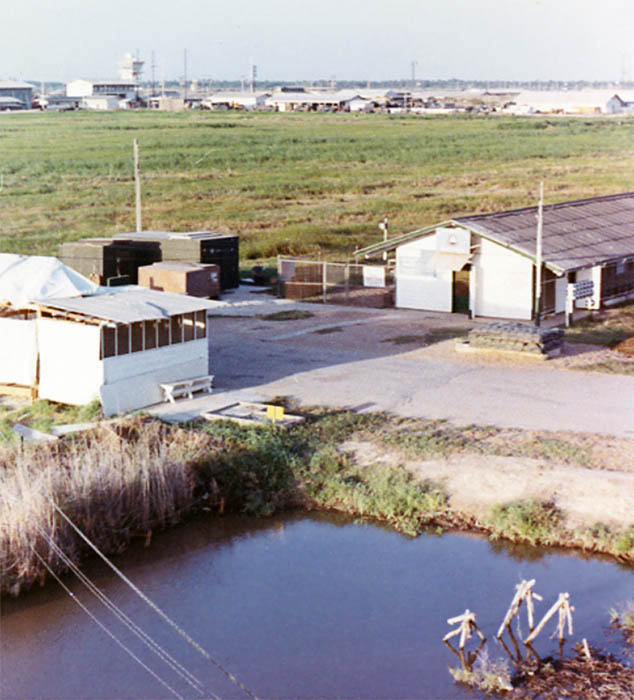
(130, 68)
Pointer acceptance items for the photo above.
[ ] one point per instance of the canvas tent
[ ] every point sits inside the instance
(74, 342)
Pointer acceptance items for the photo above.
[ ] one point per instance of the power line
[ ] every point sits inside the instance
(155, 607)
(106, 630)
(194, 682)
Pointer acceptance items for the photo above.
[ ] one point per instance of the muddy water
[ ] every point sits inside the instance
(295, 607)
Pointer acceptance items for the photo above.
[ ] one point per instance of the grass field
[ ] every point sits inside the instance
(295, 183)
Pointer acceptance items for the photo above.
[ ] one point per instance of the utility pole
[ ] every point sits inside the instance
(538, 256)
(137, 186)
(185, 75)
(153, 76)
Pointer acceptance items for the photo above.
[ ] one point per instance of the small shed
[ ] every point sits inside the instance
(74, 342)
(485, 264)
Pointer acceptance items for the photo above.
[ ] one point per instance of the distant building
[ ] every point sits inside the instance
(100, 102)
(123, 89)
(235, 100)
(621, 102)
(18, 91)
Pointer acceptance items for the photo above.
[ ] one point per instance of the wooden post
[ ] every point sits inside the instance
(538, 257)
(565, 613)
(466, 628)
(324, 281)
(524, 591)
(137, 186)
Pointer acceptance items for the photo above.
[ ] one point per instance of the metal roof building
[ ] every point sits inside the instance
(576, 235)
(18, 90)
(486, 263)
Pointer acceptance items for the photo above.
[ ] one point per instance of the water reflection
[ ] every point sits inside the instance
(296, 606)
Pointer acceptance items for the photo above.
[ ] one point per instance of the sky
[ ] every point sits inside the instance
(305, 40)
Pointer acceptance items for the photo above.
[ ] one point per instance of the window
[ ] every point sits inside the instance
(164, 332)
(107, 342)
(201, 324)
(136, 331)
(177, 329)
(150, 334)
(123, 340)
(189, 326)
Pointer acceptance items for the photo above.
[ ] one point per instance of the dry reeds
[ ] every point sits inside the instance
(114, 484)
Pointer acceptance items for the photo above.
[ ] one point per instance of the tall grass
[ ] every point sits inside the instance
(111, 485)
(292, 183)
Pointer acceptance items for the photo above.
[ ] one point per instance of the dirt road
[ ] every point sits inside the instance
(378, 360)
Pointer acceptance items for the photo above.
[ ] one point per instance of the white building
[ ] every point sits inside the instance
(485, 264)
(100, 102)
(73, 342)
(235, 100)
(621, 102)
(123, 89)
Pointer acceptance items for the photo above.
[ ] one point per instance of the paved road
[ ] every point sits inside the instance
(352, 358)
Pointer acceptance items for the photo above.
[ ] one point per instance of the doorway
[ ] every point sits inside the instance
(460, 291)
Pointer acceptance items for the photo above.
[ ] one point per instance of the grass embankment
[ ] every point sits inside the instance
(42, 415)
(612, 328)
(123, 481)
(291, 183)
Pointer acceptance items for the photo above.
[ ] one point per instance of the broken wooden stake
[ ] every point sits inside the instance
(565, 615)
(524, 592)
(466, 628)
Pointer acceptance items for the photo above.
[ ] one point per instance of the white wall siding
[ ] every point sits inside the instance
(561, 290)
(503, 282)
(417, 286)
(18, 351)
(132, 381)
(70, 369)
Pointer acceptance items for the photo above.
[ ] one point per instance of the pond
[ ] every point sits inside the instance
(296, 606)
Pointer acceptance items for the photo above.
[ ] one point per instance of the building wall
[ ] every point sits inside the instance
(18, 367)
(25, 95)
(503, 282)
(418, 287)
(70, 369)
(132, 381)
(78, 88)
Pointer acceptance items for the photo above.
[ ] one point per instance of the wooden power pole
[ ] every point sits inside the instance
(538, 256)
(137, 186)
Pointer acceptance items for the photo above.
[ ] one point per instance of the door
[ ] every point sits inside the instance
(460, 295)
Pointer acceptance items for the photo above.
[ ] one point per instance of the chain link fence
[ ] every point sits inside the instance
(335, 283)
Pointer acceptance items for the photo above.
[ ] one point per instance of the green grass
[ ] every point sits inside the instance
(291, 183)
(42, 415)
(608, 327)
(526, 521)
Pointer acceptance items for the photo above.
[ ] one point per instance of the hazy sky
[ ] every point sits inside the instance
(346, 39)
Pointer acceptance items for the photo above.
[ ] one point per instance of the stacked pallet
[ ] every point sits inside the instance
(517, 337)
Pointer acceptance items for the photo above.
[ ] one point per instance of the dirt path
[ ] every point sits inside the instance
(475, 483)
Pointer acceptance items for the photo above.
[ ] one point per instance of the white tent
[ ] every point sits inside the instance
(24, 279)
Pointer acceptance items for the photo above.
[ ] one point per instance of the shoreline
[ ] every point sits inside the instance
(124, 481)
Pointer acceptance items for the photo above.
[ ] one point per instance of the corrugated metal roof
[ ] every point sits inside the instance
(130, 304)
(577, 234)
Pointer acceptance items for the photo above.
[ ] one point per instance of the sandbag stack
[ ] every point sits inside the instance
(517, 337)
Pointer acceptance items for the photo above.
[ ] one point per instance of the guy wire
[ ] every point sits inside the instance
(138, 631)
(106, 630)
(153, 605)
